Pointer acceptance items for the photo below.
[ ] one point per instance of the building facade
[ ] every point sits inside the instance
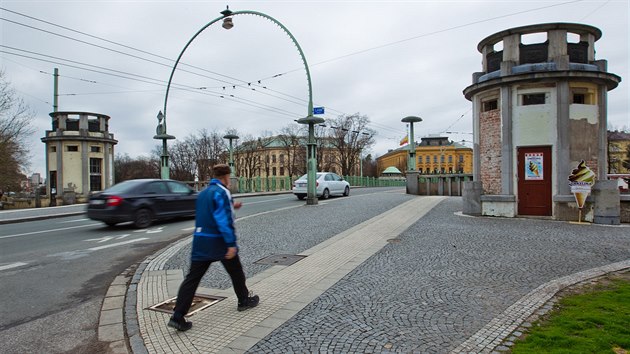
(79, 155)
(281, 156)
(618, 152)
(543, 102)
(434, 155)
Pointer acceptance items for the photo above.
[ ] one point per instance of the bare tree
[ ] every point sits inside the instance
(15, 128)
(349, 137)
(209, 150)
(126, 168)
(249, 159)
(293, 142)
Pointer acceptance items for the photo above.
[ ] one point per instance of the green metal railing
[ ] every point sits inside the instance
(279, 184)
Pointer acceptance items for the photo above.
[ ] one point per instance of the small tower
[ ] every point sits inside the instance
(79, 156)
(541, 103)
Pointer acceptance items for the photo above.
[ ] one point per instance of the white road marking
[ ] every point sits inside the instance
(69, 221)
(43, 231)
(188, 229)
(116, 244)
(264, 201)
(159, 229)
(122, 236)
(100, 239)
(12, 265)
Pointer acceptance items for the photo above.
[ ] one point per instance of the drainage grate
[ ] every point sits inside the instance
(280, 259)
(199, 303)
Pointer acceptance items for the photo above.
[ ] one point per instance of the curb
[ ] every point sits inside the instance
(41, 217)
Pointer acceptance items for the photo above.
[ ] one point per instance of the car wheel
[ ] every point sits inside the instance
(301, 196)
(143, 218)
(325, 194)
(110, 223)
(346, 192)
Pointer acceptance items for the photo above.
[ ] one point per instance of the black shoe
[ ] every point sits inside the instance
(180, 325)
(250, 302)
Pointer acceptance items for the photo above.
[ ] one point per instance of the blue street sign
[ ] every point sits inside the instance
(318, 110)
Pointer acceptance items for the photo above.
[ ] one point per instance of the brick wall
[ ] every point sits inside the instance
(490, 151)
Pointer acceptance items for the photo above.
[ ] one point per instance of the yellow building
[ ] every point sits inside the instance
(434, 154)
(618, 151)
(281, 156)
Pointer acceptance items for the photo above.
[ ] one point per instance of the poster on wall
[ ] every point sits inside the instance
(534, 166)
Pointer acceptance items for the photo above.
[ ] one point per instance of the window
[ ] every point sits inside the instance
(273, 159)
(178, 188)
(419, 159)
(156, 188)
(434, 158)
(95, 175)
(489, 105)
(442, 159)
(274, 169)
(533, 99)
(95, 166)
(450, 158)
(95, 149)
(461, 158)
(53, 149)
(281, 169)
(281, 159)
(72, 148)
(581, 96)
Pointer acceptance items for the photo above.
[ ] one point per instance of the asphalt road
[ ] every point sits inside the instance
(54, 273)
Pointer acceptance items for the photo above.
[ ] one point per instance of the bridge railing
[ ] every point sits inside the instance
(442, 184)
(278, 184)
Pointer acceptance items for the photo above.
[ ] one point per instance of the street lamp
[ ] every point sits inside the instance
(311, 160)
(160, 134)
(226, 16)
(231, 137)
(411, 164)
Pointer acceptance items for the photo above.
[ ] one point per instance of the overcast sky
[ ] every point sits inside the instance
(383, 59)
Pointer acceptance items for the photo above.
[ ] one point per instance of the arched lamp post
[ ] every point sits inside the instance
(411, 164)
(226, 16)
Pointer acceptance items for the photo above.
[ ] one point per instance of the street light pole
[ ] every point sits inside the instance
(231, 137)
(226, 16)
(412, 145)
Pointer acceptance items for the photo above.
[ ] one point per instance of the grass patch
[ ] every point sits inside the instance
(591, 319)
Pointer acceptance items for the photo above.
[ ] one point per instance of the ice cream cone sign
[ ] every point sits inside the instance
(581, 180)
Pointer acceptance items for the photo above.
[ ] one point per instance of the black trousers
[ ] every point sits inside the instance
(187, 290)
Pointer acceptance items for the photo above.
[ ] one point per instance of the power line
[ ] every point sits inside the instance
(423, 35)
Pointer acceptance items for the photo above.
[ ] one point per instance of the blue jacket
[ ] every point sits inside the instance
(214, 223)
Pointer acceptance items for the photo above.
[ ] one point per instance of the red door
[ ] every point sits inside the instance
(534, 180)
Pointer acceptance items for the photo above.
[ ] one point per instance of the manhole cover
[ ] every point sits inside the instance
(199, 303)
(280, 259)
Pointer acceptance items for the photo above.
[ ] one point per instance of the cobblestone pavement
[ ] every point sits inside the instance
(379, 280)
(447, 277)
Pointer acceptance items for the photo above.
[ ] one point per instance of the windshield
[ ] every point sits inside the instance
(124, 187)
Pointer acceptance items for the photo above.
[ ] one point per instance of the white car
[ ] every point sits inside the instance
(327, 183)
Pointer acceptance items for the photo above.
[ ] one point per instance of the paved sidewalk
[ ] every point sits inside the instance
(417, 277)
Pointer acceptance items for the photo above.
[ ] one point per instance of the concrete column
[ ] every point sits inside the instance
(511, 49)
(606, 203)
(590, 38)
(562, 159)
(412, 182)
(471, 197)
(484, 57)
(602, 158)
(476, 154)
(83, 122)
(106, 173)
(507, 145)
(557, 49)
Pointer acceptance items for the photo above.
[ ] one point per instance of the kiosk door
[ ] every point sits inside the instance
(534, 180)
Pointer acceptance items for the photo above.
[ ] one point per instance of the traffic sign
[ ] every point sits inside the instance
(318, 110)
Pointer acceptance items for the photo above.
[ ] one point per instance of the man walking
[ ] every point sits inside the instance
(214, 239)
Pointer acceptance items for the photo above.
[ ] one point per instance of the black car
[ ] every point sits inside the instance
(142, 201)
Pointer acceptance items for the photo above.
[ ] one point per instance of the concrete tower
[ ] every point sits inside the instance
(79, 156)
(542, 102)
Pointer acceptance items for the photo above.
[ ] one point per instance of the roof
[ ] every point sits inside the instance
(392, 169)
